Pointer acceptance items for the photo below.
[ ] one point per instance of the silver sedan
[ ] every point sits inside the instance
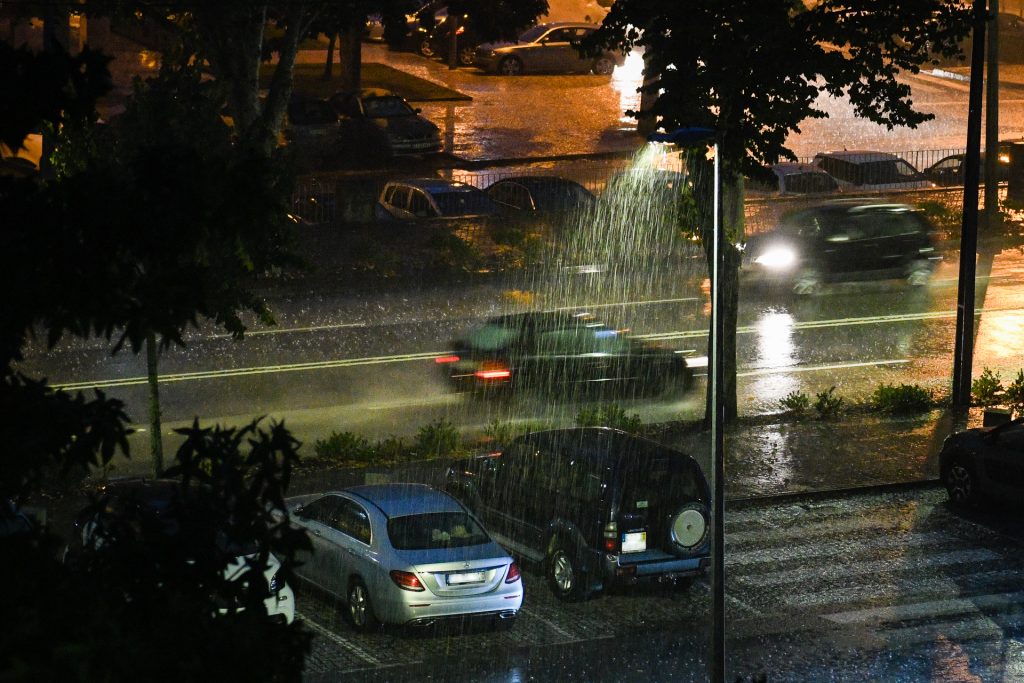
(405, 554)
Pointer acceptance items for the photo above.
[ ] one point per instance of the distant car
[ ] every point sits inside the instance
(378, 115)
(545, 48)
(594, 507)
(405, 554)
(796, 178)
(540, 193)
(558, 354)
(842, 241)
(158, 501)
(438, 42)
(950, 169)
(374, 30)
(865, 170)
(985, 464)
(419, 198)
(418, 26)
(311, 126)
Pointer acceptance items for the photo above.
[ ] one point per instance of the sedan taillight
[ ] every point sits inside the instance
(406, 581)
(513, 573)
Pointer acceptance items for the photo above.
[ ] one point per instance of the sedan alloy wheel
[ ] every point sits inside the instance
(360, 611)
(510, 66)
(604, 66)
(960, 483)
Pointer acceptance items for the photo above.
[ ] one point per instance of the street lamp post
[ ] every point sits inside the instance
(692, 137)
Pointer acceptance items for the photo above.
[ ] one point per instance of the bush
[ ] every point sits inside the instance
(1014, 394)
(902, 399)
(987, 390)
(609, 416)
(437, 439)
(827, 404)
(343, 447)
(391, 449)
(796, 402)
(502, 431)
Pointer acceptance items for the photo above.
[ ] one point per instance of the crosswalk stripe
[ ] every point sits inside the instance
(934, 585)
(844, 547)
(832, 527)
(849, 569)
(933, 609)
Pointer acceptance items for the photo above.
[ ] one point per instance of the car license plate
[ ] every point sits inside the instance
(634, 541)
(467, 577)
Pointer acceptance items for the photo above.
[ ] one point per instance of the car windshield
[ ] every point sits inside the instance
(464, 203)
(386, 107)
(532, 34)
(435, 530)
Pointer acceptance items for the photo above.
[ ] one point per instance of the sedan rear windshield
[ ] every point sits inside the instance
(435, 530)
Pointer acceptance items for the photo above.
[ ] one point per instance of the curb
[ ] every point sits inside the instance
(843, 492)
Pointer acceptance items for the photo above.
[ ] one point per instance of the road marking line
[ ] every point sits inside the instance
(550, 624)
(834, 548)
(934, 608)
(853, 569)
(338, 640)
(938, 585)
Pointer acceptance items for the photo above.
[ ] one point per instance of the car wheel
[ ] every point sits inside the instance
(564, 576)
(360, 610)
(808, 283)
(510, 66)
(919, 273)
(467, 55)
(604, 66)
(682, 585)
(426, 49)
(960, 483)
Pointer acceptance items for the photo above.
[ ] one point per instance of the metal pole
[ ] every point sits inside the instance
(964, 343)
(716, 668)
(992, 162)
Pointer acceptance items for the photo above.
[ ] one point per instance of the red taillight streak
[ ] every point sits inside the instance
(406, 581)
(513, 573)
(503, 373)
(446, 359)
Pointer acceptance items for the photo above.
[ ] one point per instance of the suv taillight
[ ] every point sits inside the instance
(611, 538)
(513, 573)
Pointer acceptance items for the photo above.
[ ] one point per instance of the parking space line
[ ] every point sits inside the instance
(550, 624)
(341, 642)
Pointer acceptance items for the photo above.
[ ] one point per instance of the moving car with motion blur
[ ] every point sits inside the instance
(560, 355)
(842, 242)
(378, 118)
(405, 554)
(984, 464)
(418, 198)
(594, 507)
(545, 48)
(137, 506)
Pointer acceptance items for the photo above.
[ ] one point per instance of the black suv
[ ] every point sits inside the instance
(593, 506)
(843, 241)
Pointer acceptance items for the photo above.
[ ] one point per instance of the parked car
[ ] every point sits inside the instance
(985, 464)
(842, 241)
(311, 126)
(138, 502)
(795, 178)
(438, 42)
(540, 193)
(405, 554)
(418, 26)
(545, 48)
(594, 507)
(432, 198)
(950, 169)
(378, 117)
(864, 170)
(557, 352)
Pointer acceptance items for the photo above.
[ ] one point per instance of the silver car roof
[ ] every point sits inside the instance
(397, 500)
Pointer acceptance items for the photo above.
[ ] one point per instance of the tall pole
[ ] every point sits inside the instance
(963, 350)
(992, 121)
(716, 668)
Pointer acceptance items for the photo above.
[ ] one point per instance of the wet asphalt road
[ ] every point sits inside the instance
(893, 586)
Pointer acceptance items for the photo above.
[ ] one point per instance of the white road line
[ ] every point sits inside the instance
(550, 624)
(932, 608)
(810, 527)
(846, 547)
(341, 642)
(854, 569)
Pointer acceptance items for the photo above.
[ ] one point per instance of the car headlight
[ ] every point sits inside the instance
(776, 258)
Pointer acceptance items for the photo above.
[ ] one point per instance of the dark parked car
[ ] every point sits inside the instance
(416, 198)
(984, 464)
(950, 170)
(418, 26)
(594, 506)
(438, 42)
(842, 241)
(375, 117)
(545, 48)
(865, 170)
(540, 193)
(558, 353)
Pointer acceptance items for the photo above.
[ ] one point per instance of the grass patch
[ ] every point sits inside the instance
(308, 80)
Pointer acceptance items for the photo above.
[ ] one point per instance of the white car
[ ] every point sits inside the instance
(405, 554)
(866, 170)
(418, 198)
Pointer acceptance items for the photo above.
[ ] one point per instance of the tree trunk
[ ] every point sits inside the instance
(350, 53)
(156, 441)
(329, 64)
